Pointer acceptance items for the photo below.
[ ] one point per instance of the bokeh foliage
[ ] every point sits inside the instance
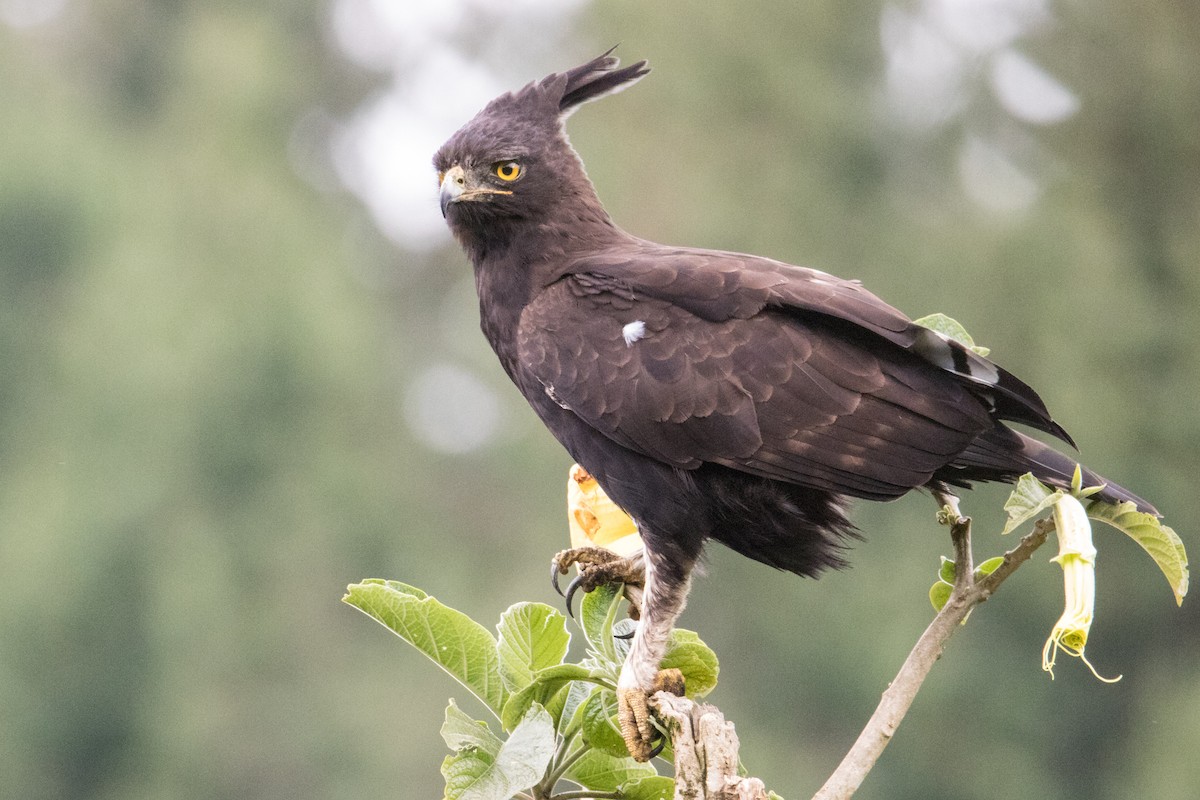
(204, 344)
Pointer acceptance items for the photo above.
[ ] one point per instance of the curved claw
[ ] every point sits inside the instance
(554, 573)
(658, 748)
(625, 636)
(572, 587)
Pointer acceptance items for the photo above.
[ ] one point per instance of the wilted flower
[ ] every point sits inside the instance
(595, 520)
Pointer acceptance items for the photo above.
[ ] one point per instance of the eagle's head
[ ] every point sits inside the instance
(513, 163)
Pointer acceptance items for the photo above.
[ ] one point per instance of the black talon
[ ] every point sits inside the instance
(662, 742)
(570, 595)
(554, 573)
(625, 636)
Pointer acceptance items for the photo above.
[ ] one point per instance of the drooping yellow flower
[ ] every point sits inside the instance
(595, 520)
(1077, 557)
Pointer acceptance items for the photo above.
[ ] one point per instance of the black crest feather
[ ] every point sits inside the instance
(597, 78)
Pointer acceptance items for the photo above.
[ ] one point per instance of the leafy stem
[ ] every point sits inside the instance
(560, 766)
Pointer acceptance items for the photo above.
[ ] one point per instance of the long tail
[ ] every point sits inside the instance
(1003, 454)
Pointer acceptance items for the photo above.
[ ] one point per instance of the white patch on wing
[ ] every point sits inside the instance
(633, 332)
(553, 395)
(941, 350)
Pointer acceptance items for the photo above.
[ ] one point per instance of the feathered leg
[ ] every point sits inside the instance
(663, 598)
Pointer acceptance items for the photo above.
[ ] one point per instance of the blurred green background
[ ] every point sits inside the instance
(241, 369)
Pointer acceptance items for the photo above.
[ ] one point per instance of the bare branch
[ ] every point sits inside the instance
(1016, 557)
(899, 695)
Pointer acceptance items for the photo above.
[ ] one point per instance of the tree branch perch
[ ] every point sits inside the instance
(706, 752)
(706, 747)
(968, 593)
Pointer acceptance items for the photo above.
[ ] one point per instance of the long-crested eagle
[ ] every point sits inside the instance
(713, 395)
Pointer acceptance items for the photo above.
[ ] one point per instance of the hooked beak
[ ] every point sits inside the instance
(453, 184)
(454, 189)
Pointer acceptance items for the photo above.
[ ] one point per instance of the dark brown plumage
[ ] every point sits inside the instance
(713, 395)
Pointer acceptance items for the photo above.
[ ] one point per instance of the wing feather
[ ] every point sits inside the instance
(774, 394)
(719, 285)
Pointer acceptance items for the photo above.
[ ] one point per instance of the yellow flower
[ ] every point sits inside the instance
(595, 520)
(1077, 557)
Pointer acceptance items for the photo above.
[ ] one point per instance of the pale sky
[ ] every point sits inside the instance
(442, 72)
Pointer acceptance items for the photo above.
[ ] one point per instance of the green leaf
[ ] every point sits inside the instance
(460, 732)
(546, 683)
(989, 566)
(520, 763)
(698, 663)
(556, 702)
(951, 329)
(651, 788)
(947, 570)
(601, 729)
(622, 639)
(939, 595)
(533, 636)
(455, 642)
(574, 699)
(597, 613)
(1029, 498)
(464, 770)
(600, 772)
(1158, 540)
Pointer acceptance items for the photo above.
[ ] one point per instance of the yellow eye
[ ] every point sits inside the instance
(507, 170)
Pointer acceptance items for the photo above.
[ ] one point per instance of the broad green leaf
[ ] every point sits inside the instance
(455, 642)
(556, 702)
(571, 716)
(597, 613)
(600, 727)
(464, 770)
(698, 663)
(460, 732)
(546, 683)
(652, 788)
(1029, 498)
(521, 762)
(1158, 540)
(951, 329)
(601, 772)
(533, 636)
(939, 595)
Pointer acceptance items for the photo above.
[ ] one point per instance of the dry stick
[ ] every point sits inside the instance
(967, 593)
(706, 752)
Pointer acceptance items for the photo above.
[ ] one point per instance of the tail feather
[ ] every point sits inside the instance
(1003, 454)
